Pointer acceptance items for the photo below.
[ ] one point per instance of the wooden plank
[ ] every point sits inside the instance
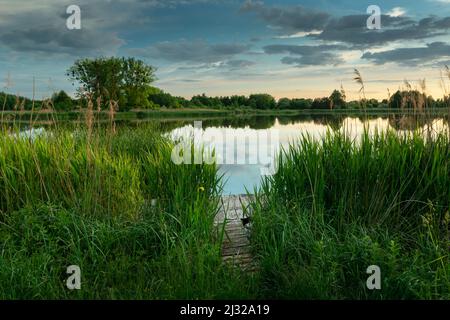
(236, 248)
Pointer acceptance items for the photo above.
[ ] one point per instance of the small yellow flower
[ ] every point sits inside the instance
(447, 218)
(201, 189)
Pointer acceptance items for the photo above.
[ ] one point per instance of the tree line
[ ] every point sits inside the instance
(128, 82)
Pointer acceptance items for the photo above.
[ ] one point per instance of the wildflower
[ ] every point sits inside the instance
(447, 218)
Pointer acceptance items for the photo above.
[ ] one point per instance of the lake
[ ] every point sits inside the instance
(246, 147)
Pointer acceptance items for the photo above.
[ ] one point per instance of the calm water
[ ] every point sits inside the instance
(246, 146)
(241, 140)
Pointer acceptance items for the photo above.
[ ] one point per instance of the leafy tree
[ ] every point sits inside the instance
(337, 99)
(163, 99)
(62, 101)
(411, 99)
(396, 100)
(262, 101)
(321, 103)
(137, 77)
(126, 80)
(301, 103)
(239, 101)
(284, 103)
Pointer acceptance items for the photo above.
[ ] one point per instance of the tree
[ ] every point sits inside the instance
(126, 80)
(163, 99)
(284, 103)
(321, 103)
(62, 101)
(262, 101)
(137, 77)
(337, 99)
(396, 101)
(301, 103)
(411, 99)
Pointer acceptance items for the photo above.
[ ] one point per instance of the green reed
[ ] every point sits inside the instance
(337, 206)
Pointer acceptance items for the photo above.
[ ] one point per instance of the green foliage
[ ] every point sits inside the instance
(337, 206)
(62, 101)
(67, 170)
(11, 102)
(127, 246)
(321, 103)
(126, 80)
(412, 99)
(337, 99)
(163, 99)
(262, 101)
(141, 227)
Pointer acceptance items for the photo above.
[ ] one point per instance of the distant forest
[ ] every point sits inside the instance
(61, 101)
(127, 82)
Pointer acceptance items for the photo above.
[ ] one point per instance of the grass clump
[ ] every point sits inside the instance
(67, 170)
(337, 206)
(138, 226)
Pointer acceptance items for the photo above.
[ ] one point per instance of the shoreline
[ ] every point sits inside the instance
(183, 114)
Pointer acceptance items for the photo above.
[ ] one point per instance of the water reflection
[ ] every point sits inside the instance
(240, 178)
(243, 177)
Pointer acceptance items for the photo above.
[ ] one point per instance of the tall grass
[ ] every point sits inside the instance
(337, 206)
(139, 226)
(64, 169)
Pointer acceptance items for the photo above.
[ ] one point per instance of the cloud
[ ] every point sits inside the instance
(298, 21)
(396, 12)
(50, 40)
(40, 27)
(238, 64)
(353, 30)
(288, 19)
(303, 55)
(192, 51)
(410, 56)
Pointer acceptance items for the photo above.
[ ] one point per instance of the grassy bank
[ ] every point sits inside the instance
(336, 207)
(141, 227)
(201, 113)
(86, 199)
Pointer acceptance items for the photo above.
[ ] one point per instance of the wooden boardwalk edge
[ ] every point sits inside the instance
(236, 248)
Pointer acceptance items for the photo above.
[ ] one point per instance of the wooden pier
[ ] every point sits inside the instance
(236, 250)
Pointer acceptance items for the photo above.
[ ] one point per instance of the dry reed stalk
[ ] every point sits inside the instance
(359, 80)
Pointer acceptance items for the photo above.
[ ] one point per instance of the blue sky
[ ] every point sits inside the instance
(224, 47)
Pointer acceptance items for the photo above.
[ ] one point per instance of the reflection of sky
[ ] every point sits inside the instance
(239, 177)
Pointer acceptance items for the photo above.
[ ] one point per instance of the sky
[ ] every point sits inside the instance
(287, 48)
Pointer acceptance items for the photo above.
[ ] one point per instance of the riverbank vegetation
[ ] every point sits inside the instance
(108, 198)
(337, 206)
(128, 82)
(138, 226)
(111, 201)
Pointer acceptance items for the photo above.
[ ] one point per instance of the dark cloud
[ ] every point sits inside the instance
(307, 55)
(192, 51)
(40, 26)
(353, 30)
(42, 30)
(51, 40)
(239, 64)
(350, 29)
(410, 56)
(288, 19)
